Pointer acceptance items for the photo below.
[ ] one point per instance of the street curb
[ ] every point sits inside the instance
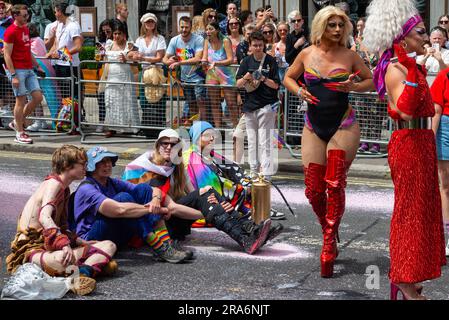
(293, 166)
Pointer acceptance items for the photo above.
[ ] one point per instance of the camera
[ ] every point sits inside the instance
(257, 75)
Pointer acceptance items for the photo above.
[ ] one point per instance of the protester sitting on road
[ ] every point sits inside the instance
(108, 208)
(159, 169)
(224, 175)
(42, 234)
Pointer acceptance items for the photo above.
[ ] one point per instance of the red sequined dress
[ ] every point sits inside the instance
(416, 232)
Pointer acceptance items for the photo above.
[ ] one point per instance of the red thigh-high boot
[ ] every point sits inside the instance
(316, 190)
(336, 183)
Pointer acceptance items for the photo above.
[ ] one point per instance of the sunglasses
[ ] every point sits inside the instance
(334, 25)
(212, 16)
(443, 21)
(166, 144)
(26, 15)
(296, 21)
(282, 30)
(233, 23)
(268, 32)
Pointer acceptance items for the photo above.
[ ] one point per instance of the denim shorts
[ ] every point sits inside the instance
(195, 91)
(442, 138)
(28, 82)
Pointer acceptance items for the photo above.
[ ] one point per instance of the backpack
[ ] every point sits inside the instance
(64, 117)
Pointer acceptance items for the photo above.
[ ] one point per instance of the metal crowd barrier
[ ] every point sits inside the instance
(126, 107)
(371, 114)
(54, 90)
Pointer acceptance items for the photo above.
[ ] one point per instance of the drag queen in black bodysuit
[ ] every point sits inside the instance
(331, 134)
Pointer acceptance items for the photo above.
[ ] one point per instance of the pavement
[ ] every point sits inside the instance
(364, 166)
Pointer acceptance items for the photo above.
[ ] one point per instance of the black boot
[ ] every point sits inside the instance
(245, 232)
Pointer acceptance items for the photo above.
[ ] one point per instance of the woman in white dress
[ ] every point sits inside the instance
(151, 50)
(120, 99)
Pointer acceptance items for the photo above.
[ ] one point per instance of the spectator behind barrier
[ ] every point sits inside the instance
(217, 56)
(297, 40)
(436, 57)
(243, 49)
(246, 17)
(235, 34)
(185, 52)
(152, 48)
(231, 12)
(120, 99)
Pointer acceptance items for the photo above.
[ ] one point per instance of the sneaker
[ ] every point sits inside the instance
(176, 244)
(36, 126)
(276, 215)
(447, 249)
(364, 147)
(167, 253)
(43, 124)
(375, 148)
(257, 238)
(83, 285)
(23, 138)
(12, 125)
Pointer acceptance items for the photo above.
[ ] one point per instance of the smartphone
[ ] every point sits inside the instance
(436, 46)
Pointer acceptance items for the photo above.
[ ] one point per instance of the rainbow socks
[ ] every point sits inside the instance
(157, 238)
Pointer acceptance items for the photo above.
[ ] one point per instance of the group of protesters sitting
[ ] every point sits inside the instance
(161, 194)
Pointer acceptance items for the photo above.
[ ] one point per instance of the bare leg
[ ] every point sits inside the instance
(231, 101)
(19, 112)
(214, 95)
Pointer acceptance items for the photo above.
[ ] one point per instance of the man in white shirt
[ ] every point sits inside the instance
(49, 35)
(67, 35)
(437, 57)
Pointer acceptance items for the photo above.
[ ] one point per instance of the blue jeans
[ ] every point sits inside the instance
(28, 82)
(121, 230)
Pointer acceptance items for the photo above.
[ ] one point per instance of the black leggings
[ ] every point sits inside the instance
(178, 228)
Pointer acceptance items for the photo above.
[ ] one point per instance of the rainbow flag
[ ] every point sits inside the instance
(65, 55)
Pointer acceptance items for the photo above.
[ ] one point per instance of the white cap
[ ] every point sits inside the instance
(168, 133)
(148, 16)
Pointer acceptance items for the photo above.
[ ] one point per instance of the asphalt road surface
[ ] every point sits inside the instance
(286, 268)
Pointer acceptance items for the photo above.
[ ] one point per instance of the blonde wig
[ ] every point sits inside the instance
(319, 24)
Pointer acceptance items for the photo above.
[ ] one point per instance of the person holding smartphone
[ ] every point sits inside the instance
(436, 57)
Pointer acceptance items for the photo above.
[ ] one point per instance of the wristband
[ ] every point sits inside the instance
(299, 93)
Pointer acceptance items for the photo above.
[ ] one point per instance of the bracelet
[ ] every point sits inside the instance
(411, 84)
(13, 75)
(299, 93)
(157, 196)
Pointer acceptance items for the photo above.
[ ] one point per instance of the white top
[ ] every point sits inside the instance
(65, 34)
(157, 44)
(48, 28)
(432, 64)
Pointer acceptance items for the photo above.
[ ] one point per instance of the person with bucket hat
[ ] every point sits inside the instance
(164, 170)
(109, 208)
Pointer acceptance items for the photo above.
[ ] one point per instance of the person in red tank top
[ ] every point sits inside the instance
(20, 62)
(416, 230)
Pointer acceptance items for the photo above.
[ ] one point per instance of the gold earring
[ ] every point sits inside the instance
(404, 45)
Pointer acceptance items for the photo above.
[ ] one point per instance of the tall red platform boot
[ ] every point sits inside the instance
(336, 183)
(316, 190)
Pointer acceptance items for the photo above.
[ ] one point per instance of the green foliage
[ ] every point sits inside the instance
(88, 53)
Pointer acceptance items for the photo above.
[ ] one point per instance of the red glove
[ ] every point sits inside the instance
(54, 240)
(409, 98)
